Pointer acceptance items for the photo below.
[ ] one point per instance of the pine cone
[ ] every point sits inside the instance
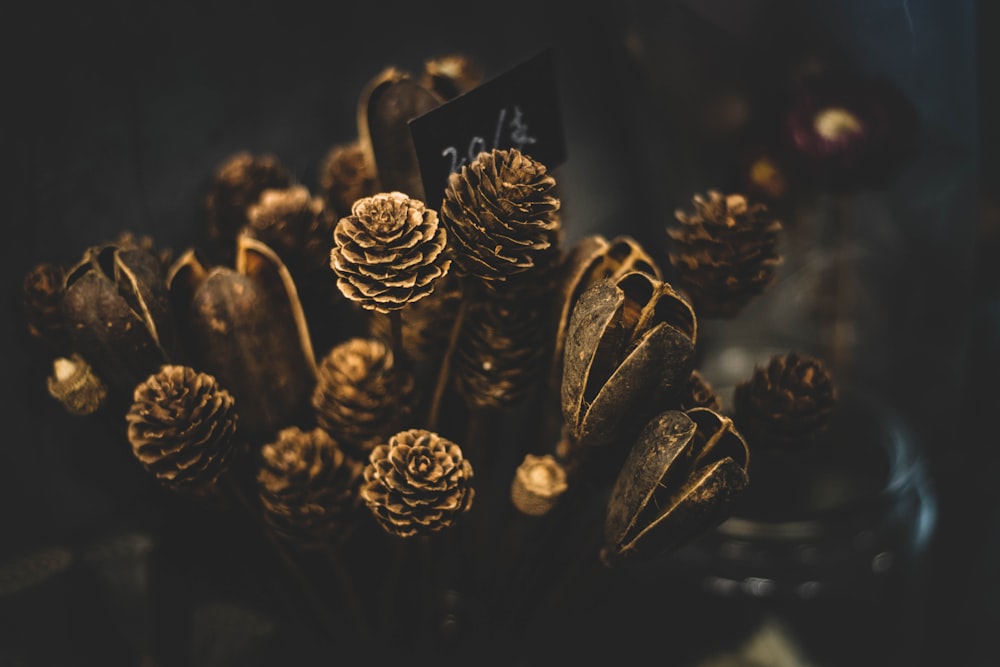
(42, 292)
(724, 253)
(501, 215)
(389, 252)
(234, 187)
(181, 426)
(291, 221)
(362, 396)
(417, 484)
(786, 402)
(345, 176)
(308, 487)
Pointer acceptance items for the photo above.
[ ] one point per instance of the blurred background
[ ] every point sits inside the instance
(117, 113)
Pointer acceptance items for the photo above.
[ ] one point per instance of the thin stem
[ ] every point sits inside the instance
(444, 375)
(398, 353)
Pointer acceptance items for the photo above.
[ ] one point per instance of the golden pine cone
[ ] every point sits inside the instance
(723, 253)
(234, 186)
(308, 487)
(345, 176)
(786, 402)
(388, 252)
(417, 484)
(362, 395)
(181, 426)
(501, 215)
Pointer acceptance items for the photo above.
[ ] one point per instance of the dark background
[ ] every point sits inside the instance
(116, 114)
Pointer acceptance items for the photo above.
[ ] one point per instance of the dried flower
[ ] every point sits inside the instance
(181, 426)
(629, 340)
(680, 478)
(539, 482)
(785, 402)
(501, 215)
(723, 253)
(74, 384)
(308, 487)
(346, 176)
(417, 484)
(362, 395)
(388, 252)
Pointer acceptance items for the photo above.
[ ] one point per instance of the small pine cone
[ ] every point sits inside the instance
(724, 253)
(538, 484)
(501, 215)
(361, 395)
(417, 484)
(291, 221)
(499, 353)
(43, 290)
(345, 176)
(786, 402)
(427, 323)
(389, 252)
(181, 426)
(699, 393)
(74, 384)
(308, 487)
(233, 188)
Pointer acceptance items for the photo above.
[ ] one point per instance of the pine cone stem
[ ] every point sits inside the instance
(398, 353)
(444, 374)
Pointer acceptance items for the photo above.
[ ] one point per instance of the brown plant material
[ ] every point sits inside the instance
(291, 221)
(502, 216)
(345, 176)
(234, 186)
(129, 239)
(786, 402)
(427, 323)
(724, 252)
(389, 252)
(451, 75)
(74, 384)
(539, 482)
(680, 479)
(181, 426)
(417, 484)
(42, 293)
(308, 487)
(362, 394)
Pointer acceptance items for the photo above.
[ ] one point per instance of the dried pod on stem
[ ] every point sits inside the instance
(539, 482)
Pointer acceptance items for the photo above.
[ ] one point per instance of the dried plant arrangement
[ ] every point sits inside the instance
(430, 394)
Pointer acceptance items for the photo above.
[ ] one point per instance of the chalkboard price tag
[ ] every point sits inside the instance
(517, 109)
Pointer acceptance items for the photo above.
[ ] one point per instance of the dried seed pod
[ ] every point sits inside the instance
(451, 75)
(362, 395)
(308, 487)
(417, 484)
(129, 239)
(388, 252)
(181, 426)
(345, 176)
(723, 253)
(785, 402)
(118, 313)
(680, 478)
(629, 339)
(501, 216)
(388, 103)
(235, 185)
(246, 327)
(74, 384)
(42, 292)
(539, 482)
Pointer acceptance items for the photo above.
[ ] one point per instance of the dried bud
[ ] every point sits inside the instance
(118, 314)
(538, 484)
(724, 253)
(501, 215)
(181, 426)
(362, 396)
(630, 339)
(451, 75)
(74, 384)
(680, 478)
(388, 252)
(417, 484)
(308, 487)
(42, 291)
(346, 176)
(234, 186)
(785, 403)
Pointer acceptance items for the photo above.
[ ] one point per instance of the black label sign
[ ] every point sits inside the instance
(517, 109)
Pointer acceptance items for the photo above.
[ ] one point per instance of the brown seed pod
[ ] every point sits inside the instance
(246, 327)
(539, 482)
(629, 339)
(680, 478)
(74, 384)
